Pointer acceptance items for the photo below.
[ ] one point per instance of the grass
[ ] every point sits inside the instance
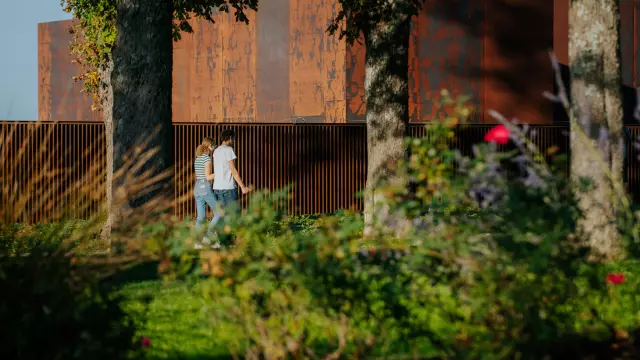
(172, 314)
(169, 313)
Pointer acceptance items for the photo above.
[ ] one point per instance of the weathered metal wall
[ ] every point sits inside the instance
(59, 97)
(283, 67)
(517, 68)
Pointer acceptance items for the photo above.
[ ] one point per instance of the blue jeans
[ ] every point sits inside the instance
(228, 199)
(204, 196)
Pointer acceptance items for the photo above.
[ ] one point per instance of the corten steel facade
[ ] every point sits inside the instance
(51, 171)
(284, 68)
(326, 163)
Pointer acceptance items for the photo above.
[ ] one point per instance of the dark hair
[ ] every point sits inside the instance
(227, 135)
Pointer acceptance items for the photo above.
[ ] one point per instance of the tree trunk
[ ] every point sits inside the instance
(141, 82)
(387, 96)
(106, 106)
(597, 108)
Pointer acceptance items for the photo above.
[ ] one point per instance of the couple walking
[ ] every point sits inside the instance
(216, 164)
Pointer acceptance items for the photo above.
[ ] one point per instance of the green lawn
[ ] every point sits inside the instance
(171, 315)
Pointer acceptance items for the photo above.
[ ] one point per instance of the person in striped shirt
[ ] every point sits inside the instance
(203, 192)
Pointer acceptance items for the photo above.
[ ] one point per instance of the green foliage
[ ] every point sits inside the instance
(53, 308)
(95, 31)
(94, 36)
(492, 268)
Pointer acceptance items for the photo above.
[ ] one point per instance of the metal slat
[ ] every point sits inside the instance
(327, 162)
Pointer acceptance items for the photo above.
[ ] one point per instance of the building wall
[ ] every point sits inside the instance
(283, 67)
(518, 35)
(59, 97)
(443, 53)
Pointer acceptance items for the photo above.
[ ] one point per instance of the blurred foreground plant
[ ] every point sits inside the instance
(52, 306)
(55, 301)
(491, 267)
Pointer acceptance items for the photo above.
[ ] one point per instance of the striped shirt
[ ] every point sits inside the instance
(199, 164)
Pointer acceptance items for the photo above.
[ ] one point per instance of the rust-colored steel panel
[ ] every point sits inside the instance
(181, 101)
(354, 82)
(198, 73)
(44, 71)
(215, 72)
(316, 63)
(449, 54)
(239, 69)
(60, 98)
(283, 67)
(636, 44)
(561, 30)
(272, 61)
(517, 70)
(333, 54)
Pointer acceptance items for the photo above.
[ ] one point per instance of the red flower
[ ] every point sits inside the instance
(145, 342)
(498, 135)
(615, 279)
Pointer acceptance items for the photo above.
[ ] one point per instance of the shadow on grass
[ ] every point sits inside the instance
(581, 347)
(191, 357)
(147, 271)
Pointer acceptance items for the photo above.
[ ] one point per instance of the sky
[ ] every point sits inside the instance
(19, 54)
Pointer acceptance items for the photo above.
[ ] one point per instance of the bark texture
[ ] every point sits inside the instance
(106, 106)
(141, 83)
(597, 152)
(387, 96)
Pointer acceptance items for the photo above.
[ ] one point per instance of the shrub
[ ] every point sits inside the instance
(51, 308)
(492, 268)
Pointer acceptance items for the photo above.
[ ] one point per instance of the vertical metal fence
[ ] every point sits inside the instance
(326, 164)
(53, 171)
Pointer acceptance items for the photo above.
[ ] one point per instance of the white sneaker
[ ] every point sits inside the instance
(200, 246)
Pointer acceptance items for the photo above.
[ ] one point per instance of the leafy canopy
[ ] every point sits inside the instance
(95, 30)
